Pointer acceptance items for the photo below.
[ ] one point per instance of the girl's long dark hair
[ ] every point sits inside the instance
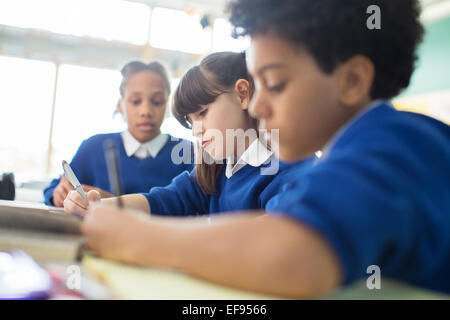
(201, 85)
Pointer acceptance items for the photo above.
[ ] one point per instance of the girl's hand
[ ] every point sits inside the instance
(103, 193)
(61, 191)
(116, 234)
(74, 202)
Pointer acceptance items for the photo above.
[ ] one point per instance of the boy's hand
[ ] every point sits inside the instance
(74, 202)
(61, 191)
(115, 233)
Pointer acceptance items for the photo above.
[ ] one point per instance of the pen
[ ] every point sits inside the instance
(112, 162)
(73, 179)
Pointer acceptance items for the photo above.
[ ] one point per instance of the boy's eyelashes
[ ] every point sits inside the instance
(271, 81)
(276, 87)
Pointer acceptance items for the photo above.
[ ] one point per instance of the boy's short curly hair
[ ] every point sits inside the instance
(333, 31)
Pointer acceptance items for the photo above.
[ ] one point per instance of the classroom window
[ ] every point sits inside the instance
(176, 30)
(171, 125)
(85, 103)
(174, 128)
(105, 19)
(222, 39)
(27, 88)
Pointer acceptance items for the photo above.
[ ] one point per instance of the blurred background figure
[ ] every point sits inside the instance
(144, 152)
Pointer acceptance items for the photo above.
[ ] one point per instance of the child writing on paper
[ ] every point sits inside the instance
(213, 99)
(145, 153)
(379, 195)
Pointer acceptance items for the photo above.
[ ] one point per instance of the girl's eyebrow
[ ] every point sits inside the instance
(139, 93)
(277, 65)
(134, 93)
(157, 92)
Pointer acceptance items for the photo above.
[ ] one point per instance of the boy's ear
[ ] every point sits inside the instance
(356, 77)
(242, 88)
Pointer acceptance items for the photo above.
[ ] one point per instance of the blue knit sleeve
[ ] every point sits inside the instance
(48, 192)
(181, 197)
(376, 208)
(279, 183)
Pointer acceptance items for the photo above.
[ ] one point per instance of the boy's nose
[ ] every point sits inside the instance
(259, 108)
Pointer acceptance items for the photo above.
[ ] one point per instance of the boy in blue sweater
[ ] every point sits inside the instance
(379, 195)
(144, 152)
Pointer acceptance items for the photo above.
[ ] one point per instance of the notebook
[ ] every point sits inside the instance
(46, 233)
(138, 283)
(134, 282)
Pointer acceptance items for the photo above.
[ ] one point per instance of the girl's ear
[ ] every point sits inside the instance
(119, 106)
(242, 89)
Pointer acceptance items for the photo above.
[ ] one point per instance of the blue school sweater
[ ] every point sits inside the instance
(244, 190)
(381, 196)
(138, 175)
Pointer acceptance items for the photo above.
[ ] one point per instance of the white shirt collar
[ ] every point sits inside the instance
(326, 149)
(143, 150)
(256, 155)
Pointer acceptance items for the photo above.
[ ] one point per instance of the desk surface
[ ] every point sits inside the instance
(131, 282)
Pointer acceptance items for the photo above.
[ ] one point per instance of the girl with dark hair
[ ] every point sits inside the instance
(145, 153)
(234, 168)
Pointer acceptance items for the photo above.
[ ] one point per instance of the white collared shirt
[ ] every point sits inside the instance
(326, 149)
(255, 155)
(143, 150)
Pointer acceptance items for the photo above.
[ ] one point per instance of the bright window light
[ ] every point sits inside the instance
(25, 112)
(171, 125)
(175, 129)
(222, 39)
(105, 19)
(176, 30)
(85, 102)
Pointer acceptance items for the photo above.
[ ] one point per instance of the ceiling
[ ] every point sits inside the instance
(213, 7)
(217, 7)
